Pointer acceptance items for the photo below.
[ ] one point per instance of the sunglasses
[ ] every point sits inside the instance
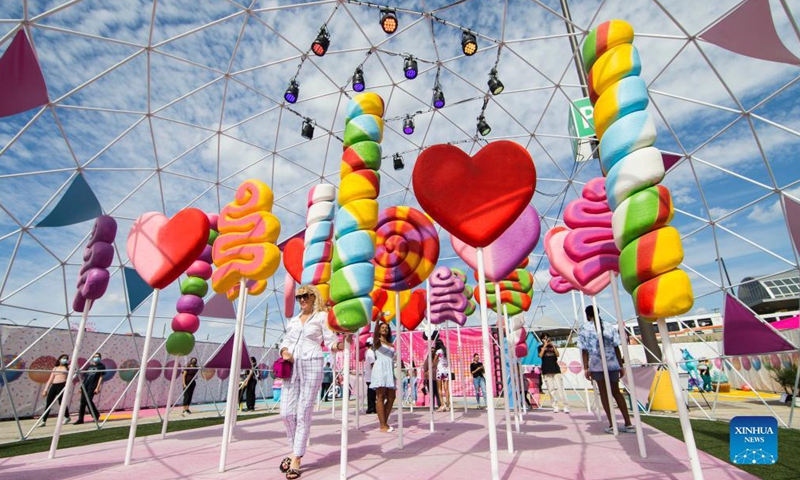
(302, 296)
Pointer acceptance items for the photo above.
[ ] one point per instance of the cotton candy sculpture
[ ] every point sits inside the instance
(516, 291)
(650, 249)
(318, 245)
(97, 257)
(353, 273)
(190, 304)
(448, 301)
(468, 292)
(245, 247)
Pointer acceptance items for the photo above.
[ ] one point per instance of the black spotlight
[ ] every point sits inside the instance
(320, 45)
(408, 125)
(495, 85)
(469, 43)
(308, 129)
(358, 80)
(438, 96)
(410, 68)
(388, 21)
(398, 161)
(293, 92)
(483, 127)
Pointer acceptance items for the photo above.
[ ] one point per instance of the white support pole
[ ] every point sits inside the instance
(487, 360)
(585, 384)
(238, 343)
(604, 361)
(504, 374)
(358, 383)
(463, 376)
(169, 397)
(512, 372)
(137, 404)
(398, 350)
(450, 380)
(412, 378)
(345, 411)
(430, 356)
(683, 412)
(623, 335)
(232, 400)
(66, 394)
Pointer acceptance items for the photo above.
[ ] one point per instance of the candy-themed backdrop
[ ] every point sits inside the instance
(118, 353)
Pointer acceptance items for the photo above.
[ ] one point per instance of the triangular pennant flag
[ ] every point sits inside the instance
(138, 290)
(669, 160)
(744, 334)
(643, 379)
(301, 235)
(219, 306)
(78, 204)
(749, 30)
(22, 84)
(222, 359)
(793, 220)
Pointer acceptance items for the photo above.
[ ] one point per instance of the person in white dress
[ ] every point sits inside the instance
(441, 364)
(383, 379)
(301, 346)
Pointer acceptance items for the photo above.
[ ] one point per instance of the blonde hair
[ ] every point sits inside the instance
(319, 303)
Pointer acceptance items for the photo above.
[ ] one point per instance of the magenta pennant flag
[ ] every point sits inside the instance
(222, 359)
(219, 306)
(749, 30)
(744, 334)
(669, 160)
(22, 84)
(793, 220)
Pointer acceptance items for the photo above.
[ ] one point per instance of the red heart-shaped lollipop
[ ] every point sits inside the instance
(414, 312)
(293, 258)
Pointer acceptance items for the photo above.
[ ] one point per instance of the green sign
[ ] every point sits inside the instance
(581, 128)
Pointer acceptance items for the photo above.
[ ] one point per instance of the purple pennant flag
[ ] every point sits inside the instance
(793, 220)
(744, 334)
(749, 30)
(22, 84)
(222, 359)
(219, 306)
(669, 160)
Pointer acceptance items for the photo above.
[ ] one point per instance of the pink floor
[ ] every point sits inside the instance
(555, 446)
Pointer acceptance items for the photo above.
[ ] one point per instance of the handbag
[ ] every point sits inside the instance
(452, 375)
(282, 369)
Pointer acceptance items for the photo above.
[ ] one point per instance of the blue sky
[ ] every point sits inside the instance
(213, 84)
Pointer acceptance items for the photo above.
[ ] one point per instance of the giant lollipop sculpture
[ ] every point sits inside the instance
(245, 250)
(406, 253)
(468, 292)
(92, 284)
(161, 249)
(650, 250)
(353, 230)
(482, 212)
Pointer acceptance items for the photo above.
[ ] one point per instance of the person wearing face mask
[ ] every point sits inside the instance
(90, 386)
(55, 385)
(189, 382)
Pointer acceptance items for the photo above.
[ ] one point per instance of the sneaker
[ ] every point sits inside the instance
(609, 430)
(566, 409)
(627, 429)
(79, 422)
(66, 420)
(555, 409)
(42, 425)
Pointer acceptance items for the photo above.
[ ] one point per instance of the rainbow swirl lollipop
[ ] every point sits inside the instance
(406, 250)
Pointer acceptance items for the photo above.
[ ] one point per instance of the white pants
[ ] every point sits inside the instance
(297, 402)
(555, 387)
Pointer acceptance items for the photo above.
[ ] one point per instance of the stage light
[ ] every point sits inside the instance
(398, 161)
(469, 43)
(293, 92)
(495, 85)
(308, 129)
(438, 96)
(483, 127)
(320, 45)
(388, 21)
(410, 68)
(408, 125)
(358, 80)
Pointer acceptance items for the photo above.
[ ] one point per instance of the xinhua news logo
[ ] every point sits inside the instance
(754, 440)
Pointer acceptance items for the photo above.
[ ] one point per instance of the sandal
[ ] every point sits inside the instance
(293, 473)
(286, 464)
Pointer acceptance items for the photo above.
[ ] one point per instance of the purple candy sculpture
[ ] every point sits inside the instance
(97, 257)
(448, 301)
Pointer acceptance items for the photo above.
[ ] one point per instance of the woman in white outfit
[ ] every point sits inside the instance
(441, 363)
(302, 346)
(383, 380)
(551, 373)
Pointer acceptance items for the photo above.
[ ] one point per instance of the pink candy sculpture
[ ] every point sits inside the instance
(448, 301)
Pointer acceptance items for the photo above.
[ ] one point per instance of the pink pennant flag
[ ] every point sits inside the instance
(749, 30)
(669, 160)
(22, 84)
(745, 334)
(793, 220)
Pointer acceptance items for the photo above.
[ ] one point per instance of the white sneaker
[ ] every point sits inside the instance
(555, 409)
(566, 409)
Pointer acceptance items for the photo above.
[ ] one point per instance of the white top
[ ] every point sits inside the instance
(369, 359)
(304, 340)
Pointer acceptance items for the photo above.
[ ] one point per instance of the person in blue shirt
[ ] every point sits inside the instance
(589, 344)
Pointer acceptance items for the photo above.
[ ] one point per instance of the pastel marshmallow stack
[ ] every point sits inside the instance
(352, 271)
(190, 304)
(318, 251)
(650, 249)
(245, 247)
(468, 292)
(448, 301)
